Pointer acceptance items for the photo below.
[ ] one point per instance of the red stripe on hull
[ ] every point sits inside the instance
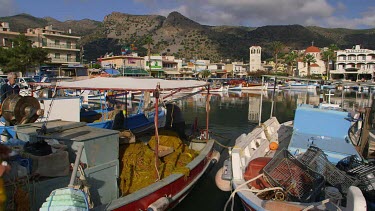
(169, 190)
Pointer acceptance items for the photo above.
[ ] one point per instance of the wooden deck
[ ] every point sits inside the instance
(371, 149)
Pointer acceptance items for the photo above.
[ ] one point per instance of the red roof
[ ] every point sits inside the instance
(314, 65)
(312, 49)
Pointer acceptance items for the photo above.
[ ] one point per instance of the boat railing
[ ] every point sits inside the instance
(354, 133)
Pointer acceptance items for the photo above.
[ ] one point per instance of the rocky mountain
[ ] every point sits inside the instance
(178, 35)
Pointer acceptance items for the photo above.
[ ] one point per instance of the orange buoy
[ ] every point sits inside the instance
(274, 145)
(223, 185)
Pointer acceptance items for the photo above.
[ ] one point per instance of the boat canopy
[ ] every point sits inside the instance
(129, 84)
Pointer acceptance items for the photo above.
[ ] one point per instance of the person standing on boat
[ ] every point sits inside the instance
(118, 122)
(175, 121)
(10, 87)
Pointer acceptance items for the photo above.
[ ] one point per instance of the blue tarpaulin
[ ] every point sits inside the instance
(112, 71)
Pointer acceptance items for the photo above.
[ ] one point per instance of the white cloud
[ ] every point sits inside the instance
(264, 12)
(248, 12)
(7, 8)
(366, 19)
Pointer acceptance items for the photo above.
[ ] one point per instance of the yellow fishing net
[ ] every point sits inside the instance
(138, 162)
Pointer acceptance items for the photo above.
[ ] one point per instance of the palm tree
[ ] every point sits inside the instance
(205, 73)
(149, 41)
(308, 58)
(276, 47)
(329, 55)
(291, 59)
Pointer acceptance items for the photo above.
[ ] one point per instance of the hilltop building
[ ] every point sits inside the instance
(317, 68)
(255, 62)
(354, 64)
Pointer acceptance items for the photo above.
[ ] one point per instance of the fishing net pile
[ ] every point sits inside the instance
(138, 162)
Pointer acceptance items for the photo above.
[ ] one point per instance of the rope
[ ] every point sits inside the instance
(172, 115)
(239, 188)
(44, 126)
(220, 144)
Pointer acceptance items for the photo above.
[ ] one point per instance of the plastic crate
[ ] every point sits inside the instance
(348, 163)
(300, 182)
(366, 177)
(315, 159)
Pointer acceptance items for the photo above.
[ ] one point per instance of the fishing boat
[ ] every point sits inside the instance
(97, 157)
(235, 87)
(219, 88)
(254, 86)
(292, 166)
(298, 85)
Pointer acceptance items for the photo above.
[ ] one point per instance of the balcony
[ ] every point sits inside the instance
(64, 60)
(60, 46)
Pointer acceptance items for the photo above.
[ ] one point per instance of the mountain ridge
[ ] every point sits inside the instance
(180, 36)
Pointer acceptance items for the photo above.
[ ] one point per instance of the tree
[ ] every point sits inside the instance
(291, 59)
(22, 55)
(276, 47)
(205, 73)
(4, 58)
(149, 41)
(329, 55)
(308, 58)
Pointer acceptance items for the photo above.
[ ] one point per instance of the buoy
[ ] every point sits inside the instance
(215, 157)
(274, 145)
(223, 185)
(159, 205)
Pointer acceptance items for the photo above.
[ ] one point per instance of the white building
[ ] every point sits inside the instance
(239, 69)
(354, 64)
(317, 68)
(255, 58)
(154, 66)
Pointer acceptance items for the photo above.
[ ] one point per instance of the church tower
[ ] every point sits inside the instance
(255, 58)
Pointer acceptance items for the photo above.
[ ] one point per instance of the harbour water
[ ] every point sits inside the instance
(234, 113)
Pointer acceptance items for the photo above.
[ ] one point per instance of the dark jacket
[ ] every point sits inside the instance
(7, 89)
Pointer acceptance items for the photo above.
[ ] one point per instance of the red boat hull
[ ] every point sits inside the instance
(175, 191)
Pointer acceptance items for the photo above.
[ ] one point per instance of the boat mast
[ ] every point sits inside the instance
(207, 110)
(273, 96)
(156, 119)
(261, 103)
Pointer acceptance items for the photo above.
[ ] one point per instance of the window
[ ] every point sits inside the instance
(68, 44)
(69, 57)
(57, 42)
(57, 55)
(44, 41)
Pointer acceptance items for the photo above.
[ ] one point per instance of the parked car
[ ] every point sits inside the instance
(3, 81)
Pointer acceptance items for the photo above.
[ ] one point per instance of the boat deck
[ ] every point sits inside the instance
(284, 138)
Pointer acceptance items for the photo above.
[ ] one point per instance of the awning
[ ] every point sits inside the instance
(112, 71)
(135, 72)
(129, 84)
(94, 70)
(171, 72)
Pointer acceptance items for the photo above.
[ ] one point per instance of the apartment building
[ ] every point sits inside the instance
(354, 64)
(61, 47)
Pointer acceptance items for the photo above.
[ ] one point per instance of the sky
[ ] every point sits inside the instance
(355, 14)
